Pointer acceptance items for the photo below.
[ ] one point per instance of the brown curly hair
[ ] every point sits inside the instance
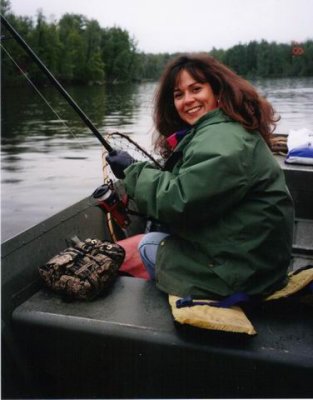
(237, 98)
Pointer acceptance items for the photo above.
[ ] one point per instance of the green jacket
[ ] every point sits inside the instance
(228, 208)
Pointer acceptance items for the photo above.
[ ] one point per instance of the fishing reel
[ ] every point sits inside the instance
(109, 200)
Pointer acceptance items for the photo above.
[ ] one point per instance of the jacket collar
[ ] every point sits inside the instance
(216, 116)
(212, 117)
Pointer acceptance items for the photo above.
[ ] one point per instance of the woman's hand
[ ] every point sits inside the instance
(119, 160)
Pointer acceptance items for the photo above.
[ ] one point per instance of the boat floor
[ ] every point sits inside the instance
(126, 344)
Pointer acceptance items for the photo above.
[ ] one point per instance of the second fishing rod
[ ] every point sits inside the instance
(55, 83)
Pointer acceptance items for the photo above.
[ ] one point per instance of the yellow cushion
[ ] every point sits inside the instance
(295, 283)
(231, 319)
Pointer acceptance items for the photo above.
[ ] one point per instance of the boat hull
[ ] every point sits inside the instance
(125, 344)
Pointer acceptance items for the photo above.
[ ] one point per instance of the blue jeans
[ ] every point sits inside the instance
(148, 247)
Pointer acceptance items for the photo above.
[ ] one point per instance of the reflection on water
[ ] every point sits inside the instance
(50, 161)
(48, 164)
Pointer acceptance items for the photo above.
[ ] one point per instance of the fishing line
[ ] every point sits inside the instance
(67, 127)
(55, 82)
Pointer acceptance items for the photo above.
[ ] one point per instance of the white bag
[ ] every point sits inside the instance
(300, 147)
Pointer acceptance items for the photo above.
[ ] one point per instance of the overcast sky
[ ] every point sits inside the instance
(187, 25)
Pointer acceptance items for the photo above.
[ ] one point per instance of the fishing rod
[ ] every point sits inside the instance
(56, 83)
(106, 196)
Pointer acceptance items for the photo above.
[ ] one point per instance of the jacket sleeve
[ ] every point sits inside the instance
(206, 185)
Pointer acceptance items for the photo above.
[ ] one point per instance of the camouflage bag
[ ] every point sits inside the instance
(84, 271)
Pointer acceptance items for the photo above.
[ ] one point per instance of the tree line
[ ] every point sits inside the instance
(78, 50)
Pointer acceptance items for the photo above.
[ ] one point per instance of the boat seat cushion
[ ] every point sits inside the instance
(202, 314)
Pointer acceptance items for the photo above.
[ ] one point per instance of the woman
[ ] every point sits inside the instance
(221, 195)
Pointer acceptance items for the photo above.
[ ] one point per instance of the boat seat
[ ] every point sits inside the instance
(126, 344)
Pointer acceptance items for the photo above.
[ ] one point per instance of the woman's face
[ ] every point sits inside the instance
(192, 99)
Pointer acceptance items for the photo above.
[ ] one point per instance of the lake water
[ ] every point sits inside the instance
(50, 161)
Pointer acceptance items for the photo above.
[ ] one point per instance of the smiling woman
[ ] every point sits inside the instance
(225, 215)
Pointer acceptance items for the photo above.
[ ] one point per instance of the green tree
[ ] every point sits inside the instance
(10, 72)
(235, 58)
(45, 39)
(118, 54)
(94, 66)
(251, 58)
(308, 58)
(71, 64)
(152, 65)
(219, 54)
(5, 7)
